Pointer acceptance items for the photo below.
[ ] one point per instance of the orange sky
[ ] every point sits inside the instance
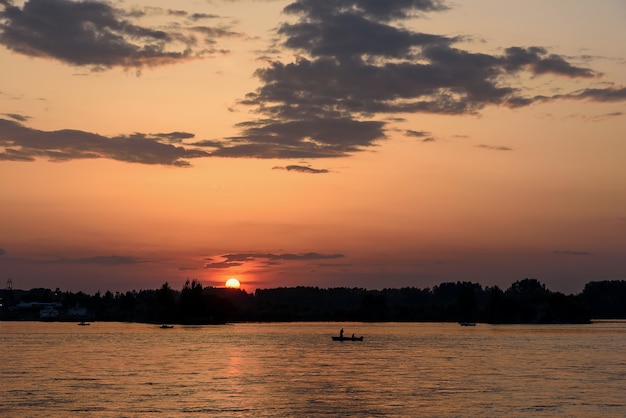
(285, 143)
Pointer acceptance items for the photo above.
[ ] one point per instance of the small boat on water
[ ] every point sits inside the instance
(164, 326)
(342, 338)
(83, 323)
(467, 324)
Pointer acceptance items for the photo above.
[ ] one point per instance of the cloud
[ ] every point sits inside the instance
(494, 147)
(420, 134)
(538, 61)
(26, 144)
(200, 16)
(356, 61)
(388, 10)
(222, 265)
(572, 253)
(301, 169)
(333, 265)
(2, 252)
(175, 137)
(235, 260)
(601, 117)
(311, 137)
(17, 117)
(416, 134)
(610, 94)
(110, 260)
(357, 70)
(99, 35)
(177, 12)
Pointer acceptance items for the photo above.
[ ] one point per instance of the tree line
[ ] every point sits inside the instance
(525, 301)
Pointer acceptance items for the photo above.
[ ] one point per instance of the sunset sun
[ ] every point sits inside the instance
(233, 283)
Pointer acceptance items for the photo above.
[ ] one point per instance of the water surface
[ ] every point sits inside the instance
(294, 369)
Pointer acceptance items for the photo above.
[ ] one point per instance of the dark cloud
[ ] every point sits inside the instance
(2, 252)
(207, 143)
(333, 265)
(175, 137)
(416, 134)
(235, 260)
(538, 61)
(97, 34)
(356, 61)
(17, 117)
(374, 9)
(21, 143)
(211, 33)
(495, 147)
(357, 70)
(610, 94)
(110, 260)
(302, 169)
(200, 16)
(304, 138)
(349, 35)
(222, 265)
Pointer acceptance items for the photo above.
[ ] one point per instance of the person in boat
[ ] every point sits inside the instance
(341, 333)
(353, 337)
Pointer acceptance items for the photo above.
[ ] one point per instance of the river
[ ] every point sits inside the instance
(294, 369)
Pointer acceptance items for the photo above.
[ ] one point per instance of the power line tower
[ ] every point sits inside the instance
(8, 299)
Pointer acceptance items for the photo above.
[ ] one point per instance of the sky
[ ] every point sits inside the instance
(336, 143)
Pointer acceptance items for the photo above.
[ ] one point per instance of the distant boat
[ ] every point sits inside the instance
(467, 324)
(83, 323)
(341, 338)
(164, 326)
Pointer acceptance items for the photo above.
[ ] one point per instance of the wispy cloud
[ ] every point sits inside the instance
(608, 94)
(599, 118)
(235, 260)
(416, 134)
(17, 117)
(301, 169)
(495, 147)
(424, 135)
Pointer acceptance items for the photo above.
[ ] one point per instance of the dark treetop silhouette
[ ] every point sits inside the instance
(525, 301)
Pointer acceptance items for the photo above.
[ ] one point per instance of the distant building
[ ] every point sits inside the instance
(77, 312)
(37, 305)
(49, 312)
